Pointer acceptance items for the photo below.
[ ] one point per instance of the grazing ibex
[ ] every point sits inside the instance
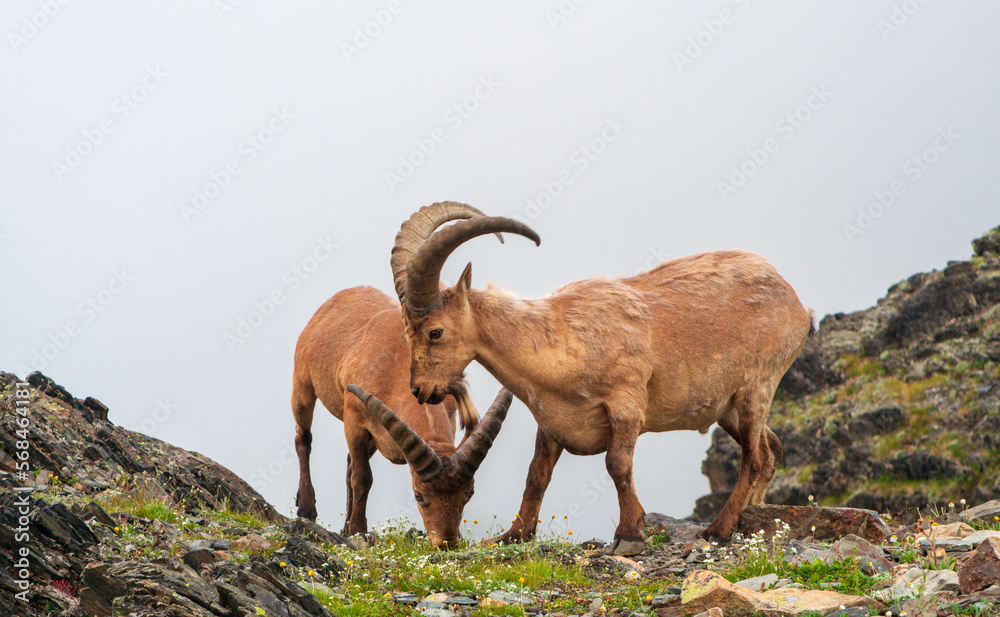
(356, 339)
(694, 341)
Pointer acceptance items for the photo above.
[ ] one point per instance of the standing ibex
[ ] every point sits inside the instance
(694, 341)
(356, 337)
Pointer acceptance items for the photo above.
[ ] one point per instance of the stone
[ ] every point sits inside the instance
(855, 611)
(917, 582)
(830, 523)
(705, 589)
(221, 545)
(871, 557)
(983, 512)
(951, 531)
(791, 601)
(503, 598)
(677, 529)
(305, 554)
(759, 583)
(196, 559)
(978, 537)
(406, 599)
(712, 612)
(593, 544)
(252, 542)
(981, 568)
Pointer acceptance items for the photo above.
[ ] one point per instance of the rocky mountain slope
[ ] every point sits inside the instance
(62, 463)
(894, 408)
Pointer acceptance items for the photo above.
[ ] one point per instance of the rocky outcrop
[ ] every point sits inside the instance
(62, 553)
(894, 408)
(73, 440)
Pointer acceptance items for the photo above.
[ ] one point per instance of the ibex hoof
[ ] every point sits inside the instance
(627, 548)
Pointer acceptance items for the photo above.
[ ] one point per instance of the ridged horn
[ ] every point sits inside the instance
(423, 271)
(418, 228)
(424, 461)
(472, 452)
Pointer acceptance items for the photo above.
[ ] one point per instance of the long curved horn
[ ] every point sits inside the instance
(472, 452)
(423, 271)
(418, 228)
(424, 461)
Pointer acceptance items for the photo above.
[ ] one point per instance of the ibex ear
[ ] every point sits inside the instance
(463, 284)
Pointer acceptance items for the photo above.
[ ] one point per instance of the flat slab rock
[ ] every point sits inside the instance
(703, 590)
(816, 522)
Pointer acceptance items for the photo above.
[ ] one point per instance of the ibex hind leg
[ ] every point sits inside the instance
(303, 404)
(746, 424)
(773, 453)
(359, 477)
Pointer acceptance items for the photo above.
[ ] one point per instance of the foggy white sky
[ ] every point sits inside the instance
(167, 166)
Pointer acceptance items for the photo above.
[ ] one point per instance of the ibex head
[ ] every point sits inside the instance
(439, 324)
(442, 484)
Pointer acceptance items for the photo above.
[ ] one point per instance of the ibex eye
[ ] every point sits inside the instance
(418, 497)
(435, 334)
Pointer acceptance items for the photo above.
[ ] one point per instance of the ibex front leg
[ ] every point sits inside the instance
(547, 453)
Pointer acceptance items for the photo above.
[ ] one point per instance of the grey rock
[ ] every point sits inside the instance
(917, 582)
(507, 597)
(759, 583)
(407, 599)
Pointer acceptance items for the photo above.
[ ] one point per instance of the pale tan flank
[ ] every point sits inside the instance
(694, 341)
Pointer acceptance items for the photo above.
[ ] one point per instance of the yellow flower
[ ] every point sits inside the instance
(475, 522)
(565, 516)
(553, 516)
(649, 598)
(282, 564)
(521, 580)
(311, 573)
(116, 529)
(465, 520)
(570, 532)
